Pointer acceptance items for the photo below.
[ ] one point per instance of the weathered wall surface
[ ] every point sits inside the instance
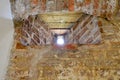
(85, 62)
(23, 9)
(103, 8)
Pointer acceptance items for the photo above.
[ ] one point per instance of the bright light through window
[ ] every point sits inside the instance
(60, 40)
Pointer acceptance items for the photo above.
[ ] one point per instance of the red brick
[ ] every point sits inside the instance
(35, 2)
(71, 5)
(43, 5)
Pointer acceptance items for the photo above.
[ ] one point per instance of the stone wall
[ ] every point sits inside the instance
(103, 8)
